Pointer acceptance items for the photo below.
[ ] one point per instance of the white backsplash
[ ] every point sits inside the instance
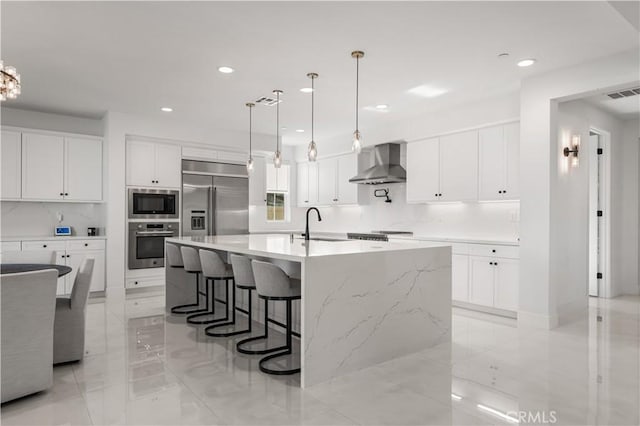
(31, 219)
(489, 220)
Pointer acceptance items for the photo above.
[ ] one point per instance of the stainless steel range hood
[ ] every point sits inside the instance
(386, 169)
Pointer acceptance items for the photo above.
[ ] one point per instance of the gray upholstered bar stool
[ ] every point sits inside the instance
(181, 258)
(214, 268)
(273, 284)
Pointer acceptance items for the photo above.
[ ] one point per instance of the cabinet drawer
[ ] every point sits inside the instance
(9, 246)
(145, 282)
(507, 252)
(43, 245)
(85, 245)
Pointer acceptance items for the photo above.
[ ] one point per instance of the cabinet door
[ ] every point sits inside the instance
(481, 280)
(347, 168)
(257, 182)
(512, 164)
(491, 163)
(168, 168)
(83, 169)
(313, 183)
(11, 165)
(42, 167)
(272, 177)
(282, 175)
(62, 281)
(302, 183)
(75, 259)
(423, 170)
(140, 161)
(506, 284)
(460, 277)
(327, 171)
(459, 167)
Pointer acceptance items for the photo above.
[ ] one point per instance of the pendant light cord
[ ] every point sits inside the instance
(250, 128)
(278, 121)
(357, 85)
(312, 104)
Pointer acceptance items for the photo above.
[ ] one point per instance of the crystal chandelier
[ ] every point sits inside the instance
(10, 83)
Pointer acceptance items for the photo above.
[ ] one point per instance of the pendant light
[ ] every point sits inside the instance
(250, 105)
(312, 152)
(356, 146)
(277, 158)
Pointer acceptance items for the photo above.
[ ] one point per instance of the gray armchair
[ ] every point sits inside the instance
(68, 334)
(28, 311)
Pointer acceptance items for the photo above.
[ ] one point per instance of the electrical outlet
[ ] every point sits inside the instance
(59, 217)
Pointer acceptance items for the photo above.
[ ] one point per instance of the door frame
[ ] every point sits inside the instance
(604, 184)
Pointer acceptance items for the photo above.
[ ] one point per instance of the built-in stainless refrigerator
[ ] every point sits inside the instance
(215, 199)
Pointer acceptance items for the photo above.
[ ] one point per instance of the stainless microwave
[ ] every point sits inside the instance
(153, 203)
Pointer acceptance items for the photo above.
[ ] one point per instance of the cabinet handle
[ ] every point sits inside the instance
(44, 245)
(135, 283)
(66, 194)
(86, 244)
(61, 194)
(504, 191)
(439, 195)
(499, 192)
(493, 250)
(495, 263)
(335, 199)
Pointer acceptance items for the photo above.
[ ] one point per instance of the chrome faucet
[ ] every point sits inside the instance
(306, 229)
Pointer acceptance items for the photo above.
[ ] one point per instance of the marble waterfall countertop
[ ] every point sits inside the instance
(281, 246)
(53, 238)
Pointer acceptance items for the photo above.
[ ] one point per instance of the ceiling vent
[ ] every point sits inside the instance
(624, 93)
(267, 101)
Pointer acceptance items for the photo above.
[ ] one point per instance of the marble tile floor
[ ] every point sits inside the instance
(144, 368)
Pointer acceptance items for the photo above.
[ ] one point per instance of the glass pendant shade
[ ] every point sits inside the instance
(277, 160)
(312, 152)
(356, 146)
(250, 165)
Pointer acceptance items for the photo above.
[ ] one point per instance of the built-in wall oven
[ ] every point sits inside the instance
(146, 243)
(153, 204)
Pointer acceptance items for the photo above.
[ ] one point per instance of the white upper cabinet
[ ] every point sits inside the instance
(499, 158)
(347, 168)
(423, 170)
(277, 178)
(512, 176)
(327, 173)
(42, 167)
(302, 182)
(257, 183)
(11, 165)
(153, 164)
(459, 167)
(83, 169)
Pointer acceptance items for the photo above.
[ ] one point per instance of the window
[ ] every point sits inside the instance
(276, 206)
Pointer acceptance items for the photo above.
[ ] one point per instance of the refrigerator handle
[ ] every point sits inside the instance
(213, 210)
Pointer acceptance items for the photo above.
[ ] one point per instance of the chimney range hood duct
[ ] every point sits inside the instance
(386, 169)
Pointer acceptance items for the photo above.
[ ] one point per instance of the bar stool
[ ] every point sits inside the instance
(214, 266)
(192, 262)
(244, 279)
(273, 284)
(174, 258)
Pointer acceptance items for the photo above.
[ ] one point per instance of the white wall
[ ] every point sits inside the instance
(629, 228)
(546, 193)
(46, 121)
(36, 219)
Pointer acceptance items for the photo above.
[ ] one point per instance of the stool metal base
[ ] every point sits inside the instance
(287, 348)
(211, 308)
(179, 309)
(265, 336)
(208, 331)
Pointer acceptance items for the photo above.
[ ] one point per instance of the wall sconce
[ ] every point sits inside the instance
(573, 151)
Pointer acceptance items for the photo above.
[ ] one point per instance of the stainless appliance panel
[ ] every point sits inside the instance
(196, 204)
(146, 243)
(194, 167)
(146, 203)
(230, 201)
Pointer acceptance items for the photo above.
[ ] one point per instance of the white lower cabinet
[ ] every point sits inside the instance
(488, 276)
(72, 253)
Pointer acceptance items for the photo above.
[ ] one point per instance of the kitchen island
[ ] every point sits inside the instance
(363, 302)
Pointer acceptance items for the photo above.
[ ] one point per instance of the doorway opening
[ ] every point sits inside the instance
(599, 213)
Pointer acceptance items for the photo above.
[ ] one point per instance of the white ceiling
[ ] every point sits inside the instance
(623, 108)
(135, 57)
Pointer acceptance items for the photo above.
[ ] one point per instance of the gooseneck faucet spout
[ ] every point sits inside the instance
(306, 229)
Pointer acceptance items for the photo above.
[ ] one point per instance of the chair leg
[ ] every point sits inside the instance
(211, 308)
(242, 342)
(208, 331)
(286, 352)
(180, 308)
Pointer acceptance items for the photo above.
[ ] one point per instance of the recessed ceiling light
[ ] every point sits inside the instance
(300, 130)
(526, 62)
(306, 90)
(166, 109)
(428, 91)
(225, 70)
(382, 106)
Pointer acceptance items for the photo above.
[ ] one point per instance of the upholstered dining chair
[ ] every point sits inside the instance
(28, 310)
(69, 328)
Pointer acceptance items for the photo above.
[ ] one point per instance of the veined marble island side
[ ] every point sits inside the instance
(363, 302)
